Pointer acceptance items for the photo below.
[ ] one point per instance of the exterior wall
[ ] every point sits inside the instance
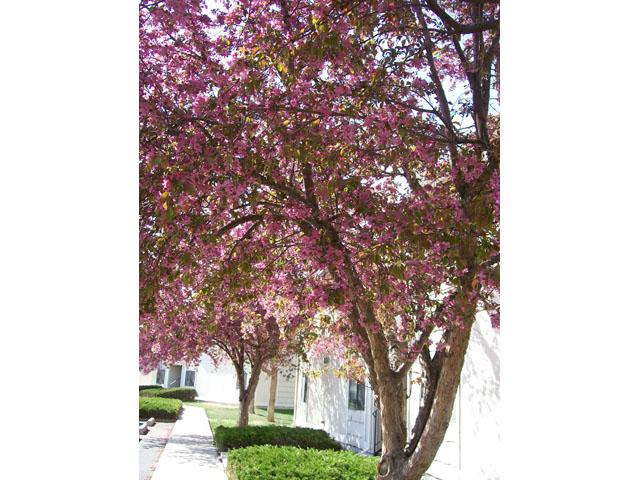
(147, 379)
(285, 392)
(470, 448)
(216, 384)
(479, 397)
(220, 384)
(175, 374)
(327, 409)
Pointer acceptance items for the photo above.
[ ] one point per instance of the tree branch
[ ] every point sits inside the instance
(459, 27)
(238, 221)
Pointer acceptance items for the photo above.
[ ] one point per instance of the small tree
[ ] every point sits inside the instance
(284, 366)
(190, 320)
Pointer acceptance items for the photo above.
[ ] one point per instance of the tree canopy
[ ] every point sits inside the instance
(341, 155)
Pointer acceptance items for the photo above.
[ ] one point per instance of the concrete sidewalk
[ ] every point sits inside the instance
(189, 453)
(151, 446)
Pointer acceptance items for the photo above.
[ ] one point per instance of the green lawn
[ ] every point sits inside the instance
(227, 415)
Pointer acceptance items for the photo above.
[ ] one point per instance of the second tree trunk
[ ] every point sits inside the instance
(273, 388)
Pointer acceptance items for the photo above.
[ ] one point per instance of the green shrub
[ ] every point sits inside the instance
(146, 387)
(238, 437)
(159, 408)
(186, 394)
(290, 463)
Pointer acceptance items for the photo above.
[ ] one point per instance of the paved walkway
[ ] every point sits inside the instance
(151, 446)
(189, 453)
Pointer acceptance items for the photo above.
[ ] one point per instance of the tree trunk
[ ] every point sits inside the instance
(252, 405)
(396, 462)
(247, 393)
(392, 399)
(243, 419)
(271, 410)
(243, 399)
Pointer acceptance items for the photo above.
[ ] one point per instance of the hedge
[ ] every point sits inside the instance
(290, 463)
(146, 387)
(185, 394)
(227, 438)
(159, 408)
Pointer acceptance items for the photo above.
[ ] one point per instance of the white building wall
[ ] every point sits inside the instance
(285, 391)
(148, 378)
(219, 384)
(327, 409)
(285, 396)
(479, 398)
(470, 447)
(216, 384)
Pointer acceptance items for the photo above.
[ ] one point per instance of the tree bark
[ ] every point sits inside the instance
(247, 393)
(273, 387)
(252, 405)
(243, 399)
(243, 419)
(392, 398)
(396, 462)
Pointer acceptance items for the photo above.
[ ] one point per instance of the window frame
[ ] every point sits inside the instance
(164, 375)
(357, 402)
(193, 384)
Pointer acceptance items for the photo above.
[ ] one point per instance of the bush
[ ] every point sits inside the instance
(146, 387)
(238, 437)
(159, 408)
(290, 463)
(185, 394)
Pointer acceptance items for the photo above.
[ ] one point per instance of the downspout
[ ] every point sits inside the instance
(295, 395)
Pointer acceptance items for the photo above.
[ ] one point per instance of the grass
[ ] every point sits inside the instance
(227, 415)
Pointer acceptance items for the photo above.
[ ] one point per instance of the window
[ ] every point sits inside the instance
(160, 376)
(305, 388)
(190, 378)
(356, 395)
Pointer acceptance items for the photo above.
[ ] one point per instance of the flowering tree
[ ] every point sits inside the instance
(190, 319)
(345, 153)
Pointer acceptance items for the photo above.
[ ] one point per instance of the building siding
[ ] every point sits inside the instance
(327, 409)
(285, 392)
(219, 384)
(216, 384)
